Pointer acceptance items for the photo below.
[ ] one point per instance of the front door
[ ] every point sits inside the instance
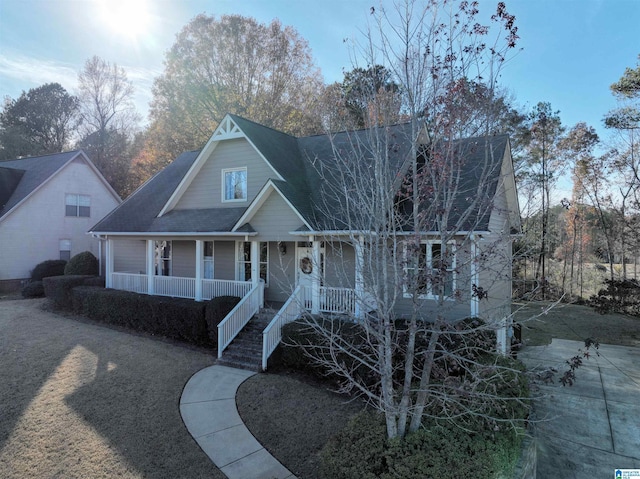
(306, 270)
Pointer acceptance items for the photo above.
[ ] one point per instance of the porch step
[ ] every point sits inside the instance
(245, 351)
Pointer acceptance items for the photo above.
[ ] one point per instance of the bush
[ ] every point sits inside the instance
(619, 296)
(58, 289)
(438, 449)
(84, 263)
(34, 289)
(175, 318)
(51, 267)
(216, 310)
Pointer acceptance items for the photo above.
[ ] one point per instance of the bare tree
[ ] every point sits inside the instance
(406, 200)
(109, 118)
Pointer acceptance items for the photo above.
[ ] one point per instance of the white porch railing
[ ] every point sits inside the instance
(272, 334)
(239, 316)
(337, 300)
(174, 286)
(212, 288)
(136, 283)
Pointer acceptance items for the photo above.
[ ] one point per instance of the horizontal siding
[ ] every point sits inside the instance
(184, 259)
(224, 260)
(205, 191)
(275, 219)
(340, 265)
(282, 272)
(130, 256)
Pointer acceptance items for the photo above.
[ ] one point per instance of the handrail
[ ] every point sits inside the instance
(272, 334)
(239, 316)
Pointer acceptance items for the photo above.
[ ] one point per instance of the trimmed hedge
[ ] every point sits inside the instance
(176, 318)
(58, 288)
(35, 289)
(215, 312)
(51, 267)
(83, 263)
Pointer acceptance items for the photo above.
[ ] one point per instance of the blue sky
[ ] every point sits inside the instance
(572, 50)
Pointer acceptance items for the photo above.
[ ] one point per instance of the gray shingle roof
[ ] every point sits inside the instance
(25, 175)
(299, 162)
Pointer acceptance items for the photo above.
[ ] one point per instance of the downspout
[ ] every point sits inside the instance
(475, 301)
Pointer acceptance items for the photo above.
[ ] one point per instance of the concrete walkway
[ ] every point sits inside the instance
(208, 409)
(592, 428)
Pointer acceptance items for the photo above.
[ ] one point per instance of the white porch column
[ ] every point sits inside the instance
(359, 247)
(151, 258)
(255, 263)
(475, 277)
(110, 263)
(199, 265)
(315, 278)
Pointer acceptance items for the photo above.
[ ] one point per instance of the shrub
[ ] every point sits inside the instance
(34, 289)
(175, 318)
(83, 263)
(51, 267)
(58, 289)
(215, 311)
(619, 296)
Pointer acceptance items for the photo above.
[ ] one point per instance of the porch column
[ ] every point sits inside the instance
(109, 265)
(359, 247)
(475, 301)
(151, 258)
(315, 278)
(255, 263)
(199, 264)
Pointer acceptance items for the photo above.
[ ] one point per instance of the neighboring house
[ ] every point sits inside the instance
(248, 207)
(47, 205)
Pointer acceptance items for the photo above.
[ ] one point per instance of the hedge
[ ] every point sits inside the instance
(58, 288)
(34, 289)
(176, 318)
(82, 263)
(215, 312)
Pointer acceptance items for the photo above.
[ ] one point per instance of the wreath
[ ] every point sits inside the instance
(306, 266)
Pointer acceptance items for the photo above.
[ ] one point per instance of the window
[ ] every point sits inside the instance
(78, 205)
(163, 258)
(234, 184)
(65, 249)
(244, 261)
(208, 260)
(430, 269)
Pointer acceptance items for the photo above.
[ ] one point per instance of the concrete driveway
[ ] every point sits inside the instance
(592, 428)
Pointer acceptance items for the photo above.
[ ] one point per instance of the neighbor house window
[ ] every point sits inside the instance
(65, 249)
(78, 205)
(244, 261)
(430, 269)
(234, 184)
(163, 258)
(208, 260)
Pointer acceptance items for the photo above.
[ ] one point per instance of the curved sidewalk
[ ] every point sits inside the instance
(208, 409)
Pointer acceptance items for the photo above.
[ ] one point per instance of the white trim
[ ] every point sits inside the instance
(429, 266)
(260, 199)
(169, 234)
(199, 268)
(475, 301)
(223, 189)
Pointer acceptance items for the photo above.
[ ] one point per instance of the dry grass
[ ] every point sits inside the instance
(80, 400)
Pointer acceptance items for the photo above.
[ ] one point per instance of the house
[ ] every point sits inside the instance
(47, 205)
(250, 215)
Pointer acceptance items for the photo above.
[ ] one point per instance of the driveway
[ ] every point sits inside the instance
(592, 428)
(81, 400)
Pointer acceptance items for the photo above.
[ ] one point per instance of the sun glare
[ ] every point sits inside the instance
(128, 18)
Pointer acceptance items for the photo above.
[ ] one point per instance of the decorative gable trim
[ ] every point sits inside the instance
(259, 200)
(226, 130)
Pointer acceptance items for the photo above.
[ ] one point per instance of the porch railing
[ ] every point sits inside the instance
(290, 311)
(175, 286)
(239, 316)
(212, 288)
(337, 300)
(136, 283)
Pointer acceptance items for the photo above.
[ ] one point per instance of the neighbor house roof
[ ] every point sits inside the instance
(21, 178)
(305, 166)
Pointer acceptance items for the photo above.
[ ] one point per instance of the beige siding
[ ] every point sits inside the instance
(32, 233)
(224, 258)
(205, 191)
(130, 256)
(275, 219)
(499, 219)
(339, 265)
(184, 259)
(495, 275)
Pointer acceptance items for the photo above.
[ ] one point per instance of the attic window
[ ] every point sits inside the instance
(78, 205)
(234, 184)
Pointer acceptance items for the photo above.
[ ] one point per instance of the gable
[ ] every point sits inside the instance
(206, 189)
(274, 219)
